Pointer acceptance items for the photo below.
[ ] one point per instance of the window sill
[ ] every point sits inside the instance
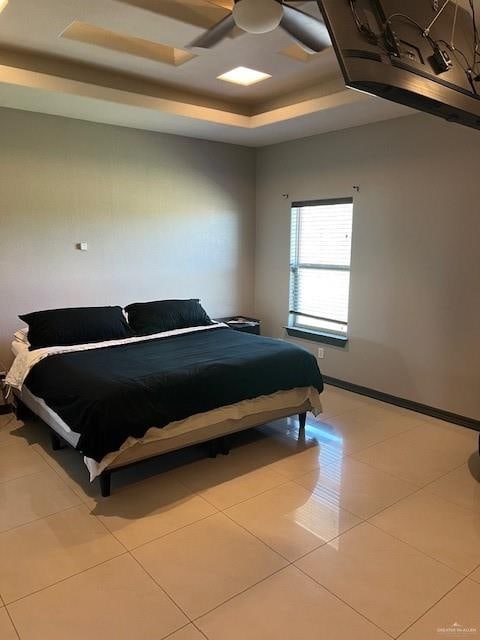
(318, 336)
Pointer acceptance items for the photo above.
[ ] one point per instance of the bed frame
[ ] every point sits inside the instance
(216, 445)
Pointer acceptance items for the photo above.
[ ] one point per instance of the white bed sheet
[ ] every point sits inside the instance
(18, 347)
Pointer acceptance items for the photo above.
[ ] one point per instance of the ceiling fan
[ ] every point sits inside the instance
(262, 16)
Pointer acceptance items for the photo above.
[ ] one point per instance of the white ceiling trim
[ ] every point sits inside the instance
(46, 82)
(40, 92)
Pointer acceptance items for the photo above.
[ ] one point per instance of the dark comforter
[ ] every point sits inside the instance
(111, 393)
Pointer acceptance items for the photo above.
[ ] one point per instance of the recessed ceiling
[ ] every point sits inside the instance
(38, 25)
(133, 52)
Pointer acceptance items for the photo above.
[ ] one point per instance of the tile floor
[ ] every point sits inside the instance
(368, 528)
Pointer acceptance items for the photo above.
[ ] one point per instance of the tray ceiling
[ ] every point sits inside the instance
(138, 47)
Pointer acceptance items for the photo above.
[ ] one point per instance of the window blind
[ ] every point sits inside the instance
(321, 241)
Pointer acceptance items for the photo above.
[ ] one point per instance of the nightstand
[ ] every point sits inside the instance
(242, 323)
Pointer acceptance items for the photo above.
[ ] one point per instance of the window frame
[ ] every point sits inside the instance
(301, 331)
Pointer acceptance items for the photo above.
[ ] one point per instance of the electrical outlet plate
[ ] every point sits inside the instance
(321, 353)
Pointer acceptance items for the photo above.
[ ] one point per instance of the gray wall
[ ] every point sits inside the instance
(415, 286)
(164, 216)
(167, 216)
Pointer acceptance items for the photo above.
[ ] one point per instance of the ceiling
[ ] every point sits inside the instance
(125, 62)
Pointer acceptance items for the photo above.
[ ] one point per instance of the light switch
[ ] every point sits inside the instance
(82, 246)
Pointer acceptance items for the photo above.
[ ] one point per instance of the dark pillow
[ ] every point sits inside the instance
(62, 327)
(166, 315)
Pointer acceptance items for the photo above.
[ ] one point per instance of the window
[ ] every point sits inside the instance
(321, 244)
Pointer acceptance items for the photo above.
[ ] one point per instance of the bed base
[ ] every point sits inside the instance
(57, 441)
(105, 479)
(216, 445)
(20, 409)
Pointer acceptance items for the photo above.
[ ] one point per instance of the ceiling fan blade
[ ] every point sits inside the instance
(308, 31)
(216, 33)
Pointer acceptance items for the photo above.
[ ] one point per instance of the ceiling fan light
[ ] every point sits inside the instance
(257, 16)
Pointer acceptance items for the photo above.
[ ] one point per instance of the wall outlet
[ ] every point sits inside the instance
(321, 353)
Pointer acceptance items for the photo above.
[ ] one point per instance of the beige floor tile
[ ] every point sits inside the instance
(287, 606)
(449, 426)
(8, 425)
(355, 486)
(7, 631)
(475, 575)
(204, 564)
(365, 426)
(375, 413)
(28, 432)
(420, 455)
(461, 485)
(443, 530)
(18, 460)
(38, 554)
(4, 418)
(187, 633)
(457, 615)
(295, 458)
(31, 497)
(336, 401)
(114, 601)
(381, 577)
(297, 464)
(283, 451)
(292, 520)
(147, 510)
(68, 464)
(227, 480)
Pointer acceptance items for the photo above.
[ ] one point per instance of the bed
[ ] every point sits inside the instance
(123, 401)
